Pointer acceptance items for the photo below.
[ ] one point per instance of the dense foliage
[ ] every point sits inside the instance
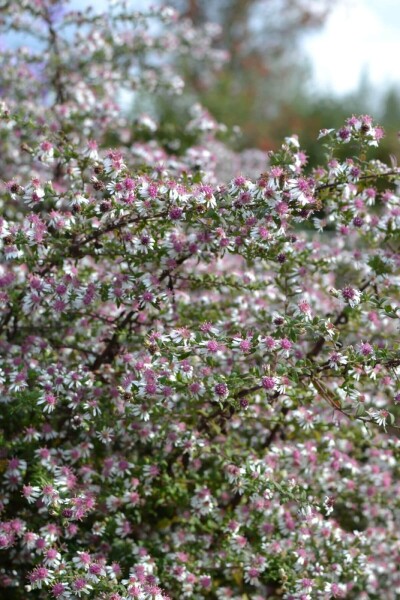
(199, 375)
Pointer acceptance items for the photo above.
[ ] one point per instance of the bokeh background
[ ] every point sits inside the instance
(295, 66)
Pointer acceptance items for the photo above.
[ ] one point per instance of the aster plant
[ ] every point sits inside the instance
(199, 376)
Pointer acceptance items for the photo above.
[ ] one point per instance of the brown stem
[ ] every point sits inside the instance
(77, 244)
(57, 80)
(316, 349)
(329, 186)
(276, 429)
(113, 345)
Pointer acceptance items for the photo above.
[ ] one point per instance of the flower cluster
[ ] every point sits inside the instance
(199, 377)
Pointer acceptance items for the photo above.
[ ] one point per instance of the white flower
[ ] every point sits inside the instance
(12, 252)
(324, 132)
(330, 329)
(46, 152)
(379, 416)
(181, 335)
(78, 200)
(293, 141)
(336, 360)
(202, 502)
(31, 493)
(146, 122)
(252, 575)
(40, 576)
(351, 295)
(49, 402)
(91, 150)
(18, 380)
(319, 224)
(141, 411)
(299, 190)
(144, 243)
(52, 558)
(34, 193)
(303, 309)
(82, 560)
(106, 435)
(305, 418)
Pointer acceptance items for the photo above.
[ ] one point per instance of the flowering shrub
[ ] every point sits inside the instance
(199, 378)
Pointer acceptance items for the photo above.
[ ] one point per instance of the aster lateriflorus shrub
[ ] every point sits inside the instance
(199, 377)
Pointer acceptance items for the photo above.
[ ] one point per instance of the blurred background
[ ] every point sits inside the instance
(295, 66)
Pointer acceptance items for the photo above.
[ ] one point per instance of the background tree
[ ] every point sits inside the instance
(264, 86)
(264, 70)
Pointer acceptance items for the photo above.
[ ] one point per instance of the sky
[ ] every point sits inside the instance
(361, 38)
